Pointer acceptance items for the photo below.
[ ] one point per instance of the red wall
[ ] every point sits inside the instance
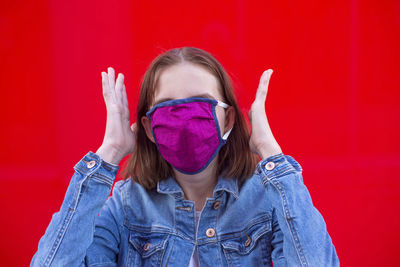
(333, 102)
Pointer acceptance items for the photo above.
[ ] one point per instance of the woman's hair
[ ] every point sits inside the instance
(146, 165)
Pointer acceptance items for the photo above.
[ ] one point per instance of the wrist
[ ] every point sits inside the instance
(268, 150)
(109, 154)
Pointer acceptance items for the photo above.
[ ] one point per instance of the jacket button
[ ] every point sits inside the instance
(248, 241)
(270, 166)
(210, 232)
(146, 247)
(216, 205)
(91, 164)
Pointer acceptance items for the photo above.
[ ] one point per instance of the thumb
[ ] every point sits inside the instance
(134, 127)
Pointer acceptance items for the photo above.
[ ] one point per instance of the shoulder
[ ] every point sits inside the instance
(124, 194)
(272, 171)
(140, 206)
(128, 190)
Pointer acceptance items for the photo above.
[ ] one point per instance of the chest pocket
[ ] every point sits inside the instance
(250, 247)
(147, 249)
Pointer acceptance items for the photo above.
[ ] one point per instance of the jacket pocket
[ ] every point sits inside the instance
(250, 247)
(147, 249)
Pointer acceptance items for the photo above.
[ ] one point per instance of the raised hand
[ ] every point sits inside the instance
(120, 137)
(262, 142)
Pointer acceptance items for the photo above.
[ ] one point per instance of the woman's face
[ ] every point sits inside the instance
(188, 80)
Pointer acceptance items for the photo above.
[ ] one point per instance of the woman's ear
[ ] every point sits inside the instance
(147, 127)
(229, 118)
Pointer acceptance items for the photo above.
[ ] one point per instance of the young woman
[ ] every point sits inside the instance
(194, 191)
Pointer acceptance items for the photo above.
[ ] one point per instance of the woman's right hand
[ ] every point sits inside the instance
(120, 137)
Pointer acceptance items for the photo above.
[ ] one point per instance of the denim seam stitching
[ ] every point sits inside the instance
(257, 236)
(154, 250)
(228, 257)
(163, 249)
(220, 238)
(69, 216)
(104, 176)
(278, 173)
(79, 168)
(101, 178)
(67, 220)
(175, 204)
(59, 237)
(100, 263)
(259, 220)
(216, 227)
(169, 253)
(289, 221)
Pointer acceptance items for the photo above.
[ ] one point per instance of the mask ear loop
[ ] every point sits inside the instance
(222, 104)
(227, 134)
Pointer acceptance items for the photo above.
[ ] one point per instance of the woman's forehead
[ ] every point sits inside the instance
(186, 80)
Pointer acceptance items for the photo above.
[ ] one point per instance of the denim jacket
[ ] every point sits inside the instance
(269, 218)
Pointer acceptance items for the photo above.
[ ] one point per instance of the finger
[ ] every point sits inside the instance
(111, 78)
(124, 97)
(118, 87)
(262, 90)
(105, 85)
(125, 103)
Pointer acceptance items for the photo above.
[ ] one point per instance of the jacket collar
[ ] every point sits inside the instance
(170, 186)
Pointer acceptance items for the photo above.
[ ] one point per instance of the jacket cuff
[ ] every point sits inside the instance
(276, 166)
(93, 165)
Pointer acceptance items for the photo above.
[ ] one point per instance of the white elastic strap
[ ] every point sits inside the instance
(227, 134)
(222, 104)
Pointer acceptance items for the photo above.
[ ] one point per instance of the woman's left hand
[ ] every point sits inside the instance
(262, 142)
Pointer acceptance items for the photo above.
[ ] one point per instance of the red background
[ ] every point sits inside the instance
(333, 100)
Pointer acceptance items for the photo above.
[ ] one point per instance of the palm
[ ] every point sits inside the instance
(119, 134)
(261, 141)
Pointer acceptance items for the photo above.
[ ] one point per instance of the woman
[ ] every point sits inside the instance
(193, 192)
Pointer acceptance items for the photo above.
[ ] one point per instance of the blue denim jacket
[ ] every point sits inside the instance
(270, 218)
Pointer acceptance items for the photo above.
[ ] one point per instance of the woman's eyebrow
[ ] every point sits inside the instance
(201, 95)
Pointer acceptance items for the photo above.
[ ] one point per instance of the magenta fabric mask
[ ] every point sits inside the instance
(187, 133)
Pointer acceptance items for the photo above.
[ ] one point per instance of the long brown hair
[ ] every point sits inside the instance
(146, 165)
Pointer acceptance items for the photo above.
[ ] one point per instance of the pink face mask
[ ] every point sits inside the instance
(187, 133)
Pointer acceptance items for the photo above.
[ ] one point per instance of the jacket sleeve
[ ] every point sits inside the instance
(71, 229)
(300, 236)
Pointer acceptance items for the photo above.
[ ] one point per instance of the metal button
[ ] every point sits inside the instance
(270, 166)
(91, 164)
(186, 208)
(248, 241)
(210, 232)
(146, 246)
(216, 205)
